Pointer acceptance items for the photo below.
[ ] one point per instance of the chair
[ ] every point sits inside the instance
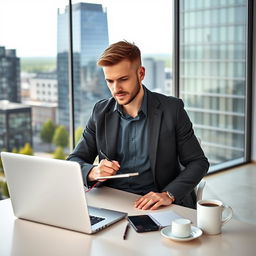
(199, 190)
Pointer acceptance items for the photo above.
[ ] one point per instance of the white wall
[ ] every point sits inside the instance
(254, 90)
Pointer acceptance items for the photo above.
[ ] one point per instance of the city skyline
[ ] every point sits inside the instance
(38, 38)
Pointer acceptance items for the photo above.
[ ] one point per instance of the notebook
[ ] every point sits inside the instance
(51, 191)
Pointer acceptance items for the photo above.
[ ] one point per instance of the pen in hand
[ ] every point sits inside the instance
(106, 167)
(102, 153)
(126, 231)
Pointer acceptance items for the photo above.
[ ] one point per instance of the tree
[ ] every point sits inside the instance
(78, 134)
(26, 150)
(14, 150)
(1, 165)
(59, 153)
(60, 138)
(4, 189)
(47, 132)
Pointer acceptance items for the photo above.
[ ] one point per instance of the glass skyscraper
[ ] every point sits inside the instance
(9, 75)
(15, 125)
(90, 38)
(213, 43)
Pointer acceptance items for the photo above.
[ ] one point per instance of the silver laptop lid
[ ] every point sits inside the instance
(46, 190)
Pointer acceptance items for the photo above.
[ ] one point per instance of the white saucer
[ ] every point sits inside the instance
(195, 233)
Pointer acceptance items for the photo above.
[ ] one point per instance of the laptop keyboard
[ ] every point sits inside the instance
(95, 219)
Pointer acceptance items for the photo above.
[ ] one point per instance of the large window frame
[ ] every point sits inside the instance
(249, 82)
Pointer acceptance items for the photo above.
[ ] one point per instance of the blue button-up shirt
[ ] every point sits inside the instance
(133, 152)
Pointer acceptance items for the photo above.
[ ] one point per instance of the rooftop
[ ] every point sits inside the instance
(41, 104)
(7, 105)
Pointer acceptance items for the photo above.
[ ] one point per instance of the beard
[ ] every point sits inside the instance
(133, 94)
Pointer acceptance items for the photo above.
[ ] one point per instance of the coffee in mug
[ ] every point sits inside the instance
(209, 216)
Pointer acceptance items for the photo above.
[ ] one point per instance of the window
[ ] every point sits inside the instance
(221, 69)
(26, 74)
(212, 65)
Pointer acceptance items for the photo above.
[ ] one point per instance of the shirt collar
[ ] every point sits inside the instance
(143, 108)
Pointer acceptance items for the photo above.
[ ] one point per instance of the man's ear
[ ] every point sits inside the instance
(141, 72)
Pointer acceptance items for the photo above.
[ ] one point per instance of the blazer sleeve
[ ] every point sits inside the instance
(85, 151)
(191, 157)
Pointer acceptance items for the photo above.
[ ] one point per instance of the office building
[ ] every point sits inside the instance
(41, 112)
(168, 83)
(43, 87)
(15, 125)
(213, 45)
(155, 74)
(90, 34)
(9, 75)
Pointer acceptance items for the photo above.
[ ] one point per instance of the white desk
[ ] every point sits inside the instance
(25, 238)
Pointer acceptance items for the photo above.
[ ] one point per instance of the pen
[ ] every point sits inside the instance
(104, 155)
(126, 231)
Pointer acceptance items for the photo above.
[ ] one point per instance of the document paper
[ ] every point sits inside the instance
(164, 218)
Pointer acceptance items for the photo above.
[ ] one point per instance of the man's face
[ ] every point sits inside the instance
(124, 80)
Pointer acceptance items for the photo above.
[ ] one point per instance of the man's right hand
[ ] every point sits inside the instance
(105, 168)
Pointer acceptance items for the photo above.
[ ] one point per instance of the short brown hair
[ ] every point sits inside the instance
(119, 51)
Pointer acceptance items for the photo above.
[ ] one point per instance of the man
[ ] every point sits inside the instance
(140, 131)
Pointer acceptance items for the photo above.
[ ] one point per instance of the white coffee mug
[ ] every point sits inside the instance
(181, 228)
(209, 216)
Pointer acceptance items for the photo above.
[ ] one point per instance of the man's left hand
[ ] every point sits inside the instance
(152, 201)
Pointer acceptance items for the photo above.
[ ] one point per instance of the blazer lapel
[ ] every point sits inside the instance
(154, 119)
(111, 131)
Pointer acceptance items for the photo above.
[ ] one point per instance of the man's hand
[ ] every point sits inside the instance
(152, 201)
(105, 168)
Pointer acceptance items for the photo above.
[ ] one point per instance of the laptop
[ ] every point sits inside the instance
(51, 191)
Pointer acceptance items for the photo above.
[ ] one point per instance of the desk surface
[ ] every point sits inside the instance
(20, 237)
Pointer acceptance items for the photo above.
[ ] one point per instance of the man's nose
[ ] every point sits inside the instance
(116, 86)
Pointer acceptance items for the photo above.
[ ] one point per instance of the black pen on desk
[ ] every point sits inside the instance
(126, 231)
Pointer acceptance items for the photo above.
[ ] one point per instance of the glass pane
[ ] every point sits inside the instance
(96, 25)
(213, 85)
(28, 80)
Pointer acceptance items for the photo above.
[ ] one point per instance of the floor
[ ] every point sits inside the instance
(237, 188)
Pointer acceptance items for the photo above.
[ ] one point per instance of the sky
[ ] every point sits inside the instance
(30, 26)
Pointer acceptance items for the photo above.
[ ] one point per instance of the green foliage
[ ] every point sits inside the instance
(78, 134)
(38, 64)
(26, 150)
(47, 131)
(61, 137)
(4, 189)
(59, 153)
(1, 165)
(14, 150)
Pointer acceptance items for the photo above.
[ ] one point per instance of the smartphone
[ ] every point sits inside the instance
(143, 223)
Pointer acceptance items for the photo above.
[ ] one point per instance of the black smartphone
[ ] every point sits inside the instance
(143, 223)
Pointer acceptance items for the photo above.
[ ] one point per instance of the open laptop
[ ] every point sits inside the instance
(51, 191)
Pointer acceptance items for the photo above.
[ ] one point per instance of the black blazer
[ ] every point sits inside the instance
(172, 145)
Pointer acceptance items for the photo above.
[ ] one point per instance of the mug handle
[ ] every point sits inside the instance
(228, 218)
